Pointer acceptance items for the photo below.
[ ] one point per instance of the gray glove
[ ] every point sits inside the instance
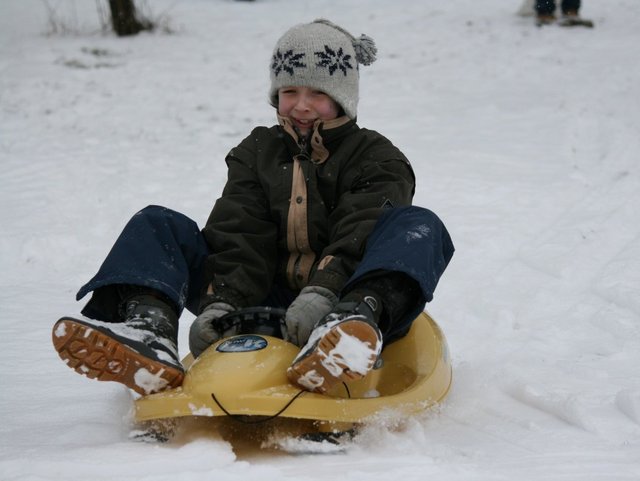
(204, 331)
(311, 306)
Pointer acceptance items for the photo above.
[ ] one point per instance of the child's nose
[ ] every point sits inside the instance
(303, 103)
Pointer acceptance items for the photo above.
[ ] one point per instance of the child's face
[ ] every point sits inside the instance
(304, 106)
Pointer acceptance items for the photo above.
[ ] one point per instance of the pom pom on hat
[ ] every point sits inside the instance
(323, 56)
(366, 49)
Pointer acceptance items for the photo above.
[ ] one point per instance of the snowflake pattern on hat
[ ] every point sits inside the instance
(333, 60)
(287, 62)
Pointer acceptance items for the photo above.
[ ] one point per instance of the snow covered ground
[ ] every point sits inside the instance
(525, 141)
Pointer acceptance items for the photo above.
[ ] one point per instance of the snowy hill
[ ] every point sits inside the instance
(525, 141)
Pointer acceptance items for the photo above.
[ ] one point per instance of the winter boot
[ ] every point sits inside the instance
(343, 347)
(571, 18)
(139, 352)
(545, 19)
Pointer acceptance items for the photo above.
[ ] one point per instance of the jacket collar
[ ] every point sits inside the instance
(317, 145)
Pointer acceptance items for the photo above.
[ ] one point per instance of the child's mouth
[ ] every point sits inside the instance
(304, 123)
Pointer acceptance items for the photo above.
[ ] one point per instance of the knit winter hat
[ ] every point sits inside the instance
(323, 56)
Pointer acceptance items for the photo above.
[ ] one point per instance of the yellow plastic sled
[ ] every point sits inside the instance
(245, 376)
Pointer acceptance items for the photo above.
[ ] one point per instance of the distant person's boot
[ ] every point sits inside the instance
(571, 18)
(545, 19)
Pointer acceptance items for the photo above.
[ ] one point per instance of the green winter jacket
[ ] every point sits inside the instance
(298, 214)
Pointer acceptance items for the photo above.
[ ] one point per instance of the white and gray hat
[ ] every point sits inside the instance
(323, 56)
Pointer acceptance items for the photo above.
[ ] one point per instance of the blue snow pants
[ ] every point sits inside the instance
(164, 250)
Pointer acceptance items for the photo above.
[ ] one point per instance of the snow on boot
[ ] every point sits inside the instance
(140, 352)
(343, 347)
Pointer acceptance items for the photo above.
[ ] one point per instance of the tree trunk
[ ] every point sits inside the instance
(125, 20)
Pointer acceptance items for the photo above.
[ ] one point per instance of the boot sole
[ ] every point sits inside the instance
(313, 371)
(96, 355)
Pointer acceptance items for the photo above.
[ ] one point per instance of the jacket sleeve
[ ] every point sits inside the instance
(241, 233)
(377, 178)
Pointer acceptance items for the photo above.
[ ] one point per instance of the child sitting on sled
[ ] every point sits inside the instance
(315, 217)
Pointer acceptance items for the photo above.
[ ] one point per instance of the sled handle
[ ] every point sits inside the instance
(267, 321)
